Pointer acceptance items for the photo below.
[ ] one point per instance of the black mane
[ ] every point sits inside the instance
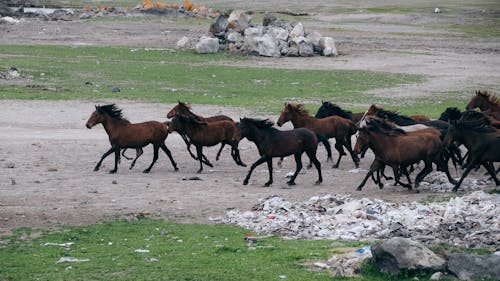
(329, 109)
(259, 123)
(395, 117)
(380, 126)
(475, 121)
(112, 110)
(450, 114)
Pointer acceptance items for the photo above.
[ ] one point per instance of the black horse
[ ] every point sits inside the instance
(272, 142)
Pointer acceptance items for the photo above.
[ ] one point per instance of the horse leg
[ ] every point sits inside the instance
(491, 170)
(469, 167)
(236, 154)
(354, 156)
(111, 150)
(199, 151)
(340, 148)
(328, 148)
(254, 165)
(138, 153)
(298, 167)
(280, 162)
(363, 182)
(117, 159)
(167, 151)
(427, 169)
(155, 157)
(397, 176)
(188, 144)
(269, 161)
(125, 156)
(317, 164)
(220, 150)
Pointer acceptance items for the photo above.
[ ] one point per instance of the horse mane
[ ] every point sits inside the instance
(333, 109)
(450, 114)
(381, 126)
(299, 108)
(186, 105)
(476, 121)
(112, 110)
(394, 116)
(259, 123)
(490, 96)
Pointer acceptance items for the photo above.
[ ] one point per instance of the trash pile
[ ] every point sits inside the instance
(471, 220)
(184, 10)
(274, 38)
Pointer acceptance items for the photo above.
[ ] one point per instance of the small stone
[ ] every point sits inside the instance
(436, 276)
(51, 170)
(12, 181)
(114, 182)
(115, 90)
(10, 165)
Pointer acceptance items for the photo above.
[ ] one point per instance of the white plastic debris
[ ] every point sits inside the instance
(469, 220)
(70, 259)
(437, 10)
(65, 245)
(142, 251)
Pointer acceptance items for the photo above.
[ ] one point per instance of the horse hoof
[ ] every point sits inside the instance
(359, 188)
(96, 169)
(290, 183)
(245, 183)
(176, 169)
(318, 182)
(267, 184)
(335, 166)
(112, 172)
(455, 189)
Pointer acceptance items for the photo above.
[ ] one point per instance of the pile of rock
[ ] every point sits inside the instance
(274, 38)
(471, 220)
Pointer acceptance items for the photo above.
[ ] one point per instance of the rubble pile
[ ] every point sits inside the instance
(274, 38)
(471, 220)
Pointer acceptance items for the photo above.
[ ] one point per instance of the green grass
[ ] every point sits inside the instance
(61, 72)
(176, 252)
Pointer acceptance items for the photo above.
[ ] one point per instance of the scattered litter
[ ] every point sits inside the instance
(471, 220)
(142, 251)
(282, 276)
(65, 245)
(9, 20)
(150, 259)
(70, 259)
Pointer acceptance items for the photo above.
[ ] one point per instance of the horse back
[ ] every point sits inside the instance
(335, 126)
(284, 143)
(218, 118)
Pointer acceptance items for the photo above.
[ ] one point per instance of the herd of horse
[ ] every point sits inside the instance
(396, 140)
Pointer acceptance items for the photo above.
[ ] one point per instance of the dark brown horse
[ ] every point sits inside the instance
(329, 127)
(398, 149)
(183, 108)
(487, 102)
(275, 143)
(207, 134)
(482, 140)
(123, 134)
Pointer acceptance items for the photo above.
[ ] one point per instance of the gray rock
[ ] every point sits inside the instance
(238, 21)
(234, 37)
(278, 32)
(298, 30)
(84, 16)
(185, 43)
(398, 253)
(262, 44)
(436, 276)
(469, 266)
(219, 26)
(268, 19)
(314, 37)
(327, 46)
(207, 45)
(304, 46)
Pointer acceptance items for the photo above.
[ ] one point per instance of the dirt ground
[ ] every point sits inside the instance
(47, 155)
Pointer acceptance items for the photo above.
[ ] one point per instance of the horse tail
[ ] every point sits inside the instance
(326, 143)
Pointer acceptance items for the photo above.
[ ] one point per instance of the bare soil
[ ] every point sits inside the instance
(47, 156)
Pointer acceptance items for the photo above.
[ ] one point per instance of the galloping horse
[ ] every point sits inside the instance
(123, 134)
(474, 130)
(328, 109)
(329, 127)
(272, 142)
(487, 102)
(399, 149)
(183, 108)
(207, 134)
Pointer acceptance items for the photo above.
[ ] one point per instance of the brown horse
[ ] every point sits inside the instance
(207, 134)
(183, 108)
(329, 127)
(398, 149)
(275, 143)
(123, 134)
(482, 140)
(487, 102)
(328, 109)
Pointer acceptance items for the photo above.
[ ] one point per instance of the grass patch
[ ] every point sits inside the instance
(488, 30)
(391, 9)
(61, 72)
(176, 252)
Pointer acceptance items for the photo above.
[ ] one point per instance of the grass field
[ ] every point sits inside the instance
(164, 75)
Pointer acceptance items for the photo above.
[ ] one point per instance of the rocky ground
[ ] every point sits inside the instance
(47, 155)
